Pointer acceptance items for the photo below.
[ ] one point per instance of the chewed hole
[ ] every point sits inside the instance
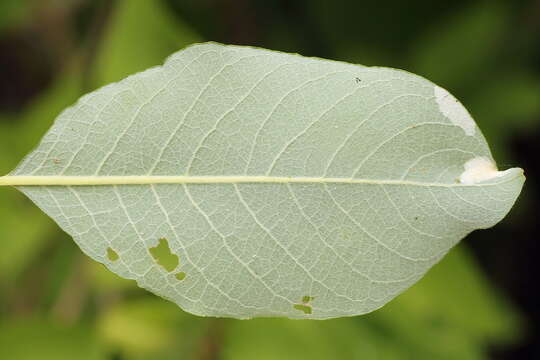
(304, 307)
(163, 255)
(112, 255)
(180, 276)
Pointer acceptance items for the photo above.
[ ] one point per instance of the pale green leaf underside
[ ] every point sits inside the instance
(282, 185)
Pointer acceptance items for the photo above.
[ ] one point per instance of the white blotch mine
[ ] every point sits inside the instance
(454, 111)
(479, 169)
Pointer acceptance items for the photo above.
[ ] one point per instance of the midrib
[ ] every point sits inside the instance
(146, 180)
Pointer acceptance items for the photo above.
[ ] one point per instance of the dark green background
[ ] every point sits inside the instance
(480, 302)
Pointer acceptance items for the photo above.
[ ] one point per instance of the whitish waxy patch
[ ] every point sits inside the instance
(480, 169)
(454, 111)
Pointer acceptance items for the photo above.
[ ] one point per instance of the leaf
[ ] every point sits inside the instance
(268, 179)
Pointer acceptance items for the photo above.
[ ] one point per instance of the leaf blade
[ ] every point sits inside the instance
(273, 177)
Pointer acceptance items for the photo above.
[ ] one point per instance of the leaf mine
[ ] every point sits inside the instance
(479, 169)
(455, 111)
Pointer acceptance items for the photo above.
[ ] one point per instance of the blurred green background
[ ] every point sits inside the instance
(480, 302)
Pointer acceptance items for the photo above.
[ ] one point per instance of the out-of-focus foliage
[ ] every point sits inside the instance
(12, 12)
(141, 34)
(31, 339)
(56, 303)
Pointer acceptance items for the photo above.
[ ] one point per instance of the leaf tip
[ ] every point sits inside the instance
(480, 169)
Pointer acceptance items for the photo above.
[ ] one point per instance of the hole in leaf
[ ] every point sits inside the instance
(112, 255)
(305, 308)
(181, 275)
(163, 255)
